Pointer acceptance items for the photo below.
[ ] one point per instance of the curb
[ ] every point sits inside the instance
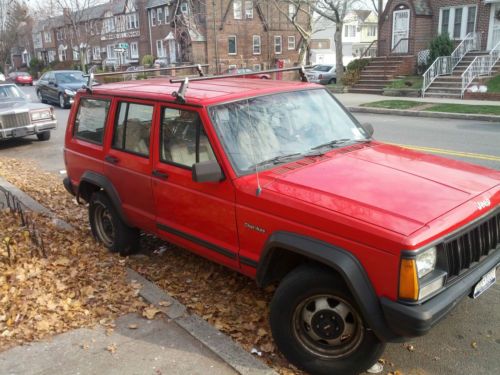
(33, 205)
(230, 352)
(404, 112)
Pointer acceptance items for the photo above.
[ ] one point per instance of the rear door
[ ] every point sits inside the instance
(128, 161)
(200, 216)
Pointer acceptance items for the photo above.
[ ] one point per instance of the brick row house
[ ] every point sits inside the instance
(413, 23)
(222, 33)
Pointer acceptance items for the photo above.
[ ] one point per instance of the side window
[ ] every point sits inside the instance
(183, 138)
(91, 120)
(133, 128)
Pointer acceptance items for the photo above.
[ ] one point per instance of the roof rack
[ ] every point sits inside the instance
(92, 75)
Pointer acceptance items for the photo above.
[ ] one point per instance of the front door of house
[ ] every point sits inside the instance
(400, 31)
(171, 49)
(494, 30)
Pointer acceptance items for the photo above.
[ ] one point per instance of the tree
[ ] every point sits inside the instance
(13, 23)
(336, 11)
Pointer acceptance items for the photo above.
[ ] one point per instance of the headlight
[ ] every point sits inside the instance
(69, 92)
(426, 262)
(41, 115)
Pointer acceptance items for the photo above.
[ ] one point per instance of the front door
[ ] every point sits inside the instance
(199, 216)
(172, 52)
(400, 31)
(494, 30)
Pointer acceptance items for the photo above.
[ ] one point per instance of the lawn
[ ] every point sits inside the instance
(444, 107)
(393, 104)
(410, 82)
(494, 84)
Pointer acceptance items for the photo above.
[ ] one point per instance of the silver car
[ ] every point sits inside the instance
(323, 73)
(19, 117)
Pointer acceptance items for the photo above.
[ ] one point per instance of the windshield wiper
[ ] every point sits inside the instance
(335, 142)
(276, 160)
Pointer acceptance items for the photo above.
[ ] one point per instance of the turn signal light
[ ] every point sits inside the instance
(408, 281)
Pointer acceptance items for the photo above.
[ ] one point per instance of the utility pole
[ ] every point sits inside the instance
(215, 39)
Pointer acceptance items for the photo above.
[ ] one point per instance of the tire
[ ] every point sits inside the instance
(43, 136)
(62, 101)
(40, 97)
(333, 80)
(108, 228)
(317, 295)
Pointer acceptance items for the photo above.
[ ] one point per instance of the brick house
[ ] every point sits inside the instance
(408, 26)
(222, 33)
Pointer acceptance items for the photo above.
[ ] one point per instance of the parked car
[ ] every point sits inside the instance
(2, 77)
(19, 117)
(367, 242)
(20, 78)
(59, 86)
(323, 74)
(251, 73)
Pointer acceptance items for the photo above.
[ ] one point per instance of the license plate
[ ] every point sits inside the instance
(486, 281)
(21, 132)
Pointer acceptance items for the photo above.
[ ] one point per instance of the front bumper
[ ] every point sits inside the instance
(415, 320)
(31, 129)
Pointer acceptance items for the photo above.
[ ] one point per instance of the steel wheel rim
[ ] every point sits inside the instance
(61, 101)
(105, 229)
(327, 326)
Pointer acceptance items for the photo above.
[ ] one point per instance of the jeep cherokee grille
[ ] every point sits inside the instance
(472, 245)
(15, 120)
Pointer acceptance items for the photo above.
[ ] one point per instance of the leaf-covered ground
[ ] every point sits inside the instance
(226, 299)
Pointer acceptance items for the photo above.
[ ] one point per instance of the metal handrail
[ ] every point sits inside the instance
(397, 45)
(444, 65)
(368, 48)
(481, 65)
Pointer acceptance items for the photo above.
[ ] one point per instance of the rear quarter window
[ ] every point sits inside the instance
(91, 120)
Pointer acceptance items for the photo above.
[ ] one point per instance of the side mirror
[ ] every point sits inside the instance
(207, 171)
(368, 129)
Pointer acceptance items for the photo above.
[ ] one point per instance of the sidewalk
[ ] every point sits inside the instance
(175, 342)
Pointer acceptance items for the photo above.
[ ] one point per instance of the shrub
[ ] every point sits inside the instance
(36, 66)
(441, 45)
(350, 77)
(147, 60)
(358, 64)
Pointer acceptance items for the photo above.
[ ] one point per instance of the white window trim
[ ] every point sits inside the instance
(451, 20)
(166, 13)
(276, 37)
(159, 12)
(293, 45)
(235, 45)
(163, 55)
(132, 54)
(153, 17)
(254, 38)
(248, 12)
(238, 16)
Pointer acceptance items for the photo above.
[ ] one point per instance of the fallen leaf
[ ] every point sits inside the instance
(111, 348)
(150, 312)
(133, 326)
(165, 303)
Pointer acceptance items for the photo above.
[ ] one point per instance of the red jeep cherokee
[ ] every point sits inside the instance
(369, 242)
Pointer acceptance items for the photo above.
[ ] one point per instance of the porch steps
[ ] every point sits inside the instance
(377, 75)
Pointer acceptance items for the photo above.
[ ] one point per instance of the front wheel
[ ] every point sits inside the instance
(317, 325)
(62, 101)
(108, 228)
(332, 81)
(43, 136)
(40, 96)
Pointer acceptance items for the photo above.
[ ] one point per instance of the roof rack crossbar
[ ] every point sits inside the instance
(301, 70)
(198, 67)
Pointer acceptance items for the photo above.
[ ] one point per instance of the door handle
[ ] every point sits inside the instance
(160, 175)
(111, 159)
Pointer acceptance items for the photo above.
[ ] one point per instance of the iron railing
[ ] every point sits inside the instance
(444, 65)
(480, 66)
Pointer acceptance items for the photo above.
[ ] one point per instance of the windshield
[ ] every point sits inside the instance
(10, 92)
(70, 77)
(322, 68)
(264, 131)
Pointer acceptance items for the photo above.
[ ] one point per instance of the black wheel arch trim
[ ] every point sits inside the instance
(343, 262)
(105, 184)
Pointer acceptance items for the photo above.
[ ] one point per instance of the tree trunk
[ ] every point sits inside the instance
(83, 53)
(338, 50)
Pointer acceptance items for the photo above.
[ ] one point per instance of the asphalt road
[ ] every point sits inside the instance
(468, 340)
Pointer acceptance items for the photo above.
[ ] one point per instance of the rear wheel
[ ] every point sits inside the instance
(317, 325)
(43, 136)
(62, 101)
(108, 228)
(333, 80)
(40, 96)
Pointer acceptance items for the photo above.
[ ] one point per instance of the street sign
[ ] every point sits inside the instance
(123, 45)
(119, 50)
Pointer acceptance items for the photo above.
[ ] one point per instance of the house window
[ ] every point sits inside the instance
(320, 44)
(47, 37)
(109, 23)
(110, 52)
(372, 31)
(457, 21)
(277, 44)
(231, 45)
(76, 54)
(166, 12)
(52, 56)
(350, 31)
(292, 10)
(237, 9)
(159, 15)
(256, 44)
(59, 34)
(132, 21)
(96, 53)
(160, 50)
(62, 53)
(184, 8)
(153, 18)
(248, 9)
(134, 50)
(291, 42)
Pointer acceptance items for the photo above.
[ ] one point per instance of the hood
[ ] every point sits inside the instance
(387, 186)
(21, 105)
(72, 86)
